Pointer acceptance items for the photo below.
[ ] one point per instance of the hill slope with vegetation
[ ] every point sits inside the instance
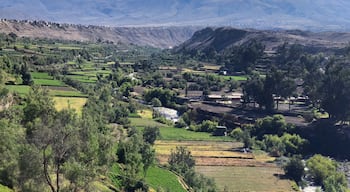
(161, 37)
(222, 38)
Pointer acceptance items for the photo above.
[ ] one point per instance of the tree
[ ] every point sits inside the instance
(294, 143)
(56, 141)
(336, 182)
(26, 76)
(274, 145)
(335, 92)
(320, 168)
(12, 140)
(150, 134)
(181, 160)
(294, 169)
(156, 102)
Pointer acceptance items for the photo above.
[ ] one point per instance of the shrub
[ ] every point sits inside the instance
(274, 145)
(294, 169)
(320, 168)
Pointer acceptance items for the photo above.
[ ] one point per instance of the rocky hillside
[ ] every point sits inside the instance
(225, 37)
(161, 37)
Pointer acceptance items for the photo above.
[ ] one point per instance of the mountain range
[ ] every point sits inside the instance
(317, 15)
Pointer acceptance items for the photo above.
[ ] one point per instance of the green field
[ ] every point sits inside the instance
(161, 178)
(236, 78)
(140, 122)
(48, 82)
(40, 75)
(20, 89)
(171, 133)
(258, 179)
(83, 78)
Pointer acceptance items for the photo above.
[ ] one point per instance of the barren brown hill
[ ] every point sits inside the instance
(225, 37)
(161, 37)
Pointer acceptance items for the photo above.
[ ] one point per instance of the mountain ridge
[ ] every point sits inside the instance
(222, 38)
(160, 37)
(260, 14)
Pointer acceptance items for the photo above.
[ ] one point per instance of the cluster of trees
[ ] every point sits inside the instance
(262, 90)
(166, 97)
(322, 170)
(46, 148)
(273, 135)
(135, 156)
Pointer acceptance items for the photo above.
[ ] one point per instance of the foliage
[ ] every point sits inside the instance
(271, 125)
(294, 169)
(165, 96)
(320, 168)
(205, 126)
(274, 145)
(336, 182)
(150, 134)
(294, 143)
(182, 162)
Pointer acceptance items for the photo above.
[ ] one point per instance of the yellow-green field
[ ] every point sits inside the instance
(230, 167)
(145, 113)
(258, 179)
(75, 103)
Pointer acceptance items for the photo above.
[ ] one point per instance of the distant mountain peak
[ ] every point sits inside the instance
(317, 15)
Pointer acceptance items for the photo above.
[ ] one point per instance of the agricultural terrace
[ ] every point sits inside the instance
(217, 153)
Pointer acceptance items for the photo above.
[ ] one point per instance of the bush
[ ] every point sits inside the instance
(237, 134)
(207, 126)
(274, 145)
(335, 183)
(294, 169)
(320, 168)
(180, 123)
(294, 143)
(156, 102)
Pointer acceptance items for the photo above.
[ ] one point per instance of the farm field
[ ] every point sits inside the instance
(75, 103)
(229, 166)
(48, 82)
(161, 178)
(20, 89)
(236, 178)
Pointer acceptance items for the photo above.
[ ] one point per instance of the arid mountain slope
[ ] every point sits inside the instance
(225, 37)
(161, 37)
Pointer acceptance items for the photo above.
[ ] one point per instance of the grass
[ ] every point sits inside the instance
(170, 133)
(20, 89)
(161, 178)
(62, 93)
(48, 82)
(5, 189)
(236, 78)
(83, 79)
(75, 103)
(259, 179)
(140, 123)
(145, 113)
(40, 75)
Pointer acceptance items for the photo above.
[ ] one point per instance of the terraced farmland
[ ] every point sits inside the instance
(231, 167)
